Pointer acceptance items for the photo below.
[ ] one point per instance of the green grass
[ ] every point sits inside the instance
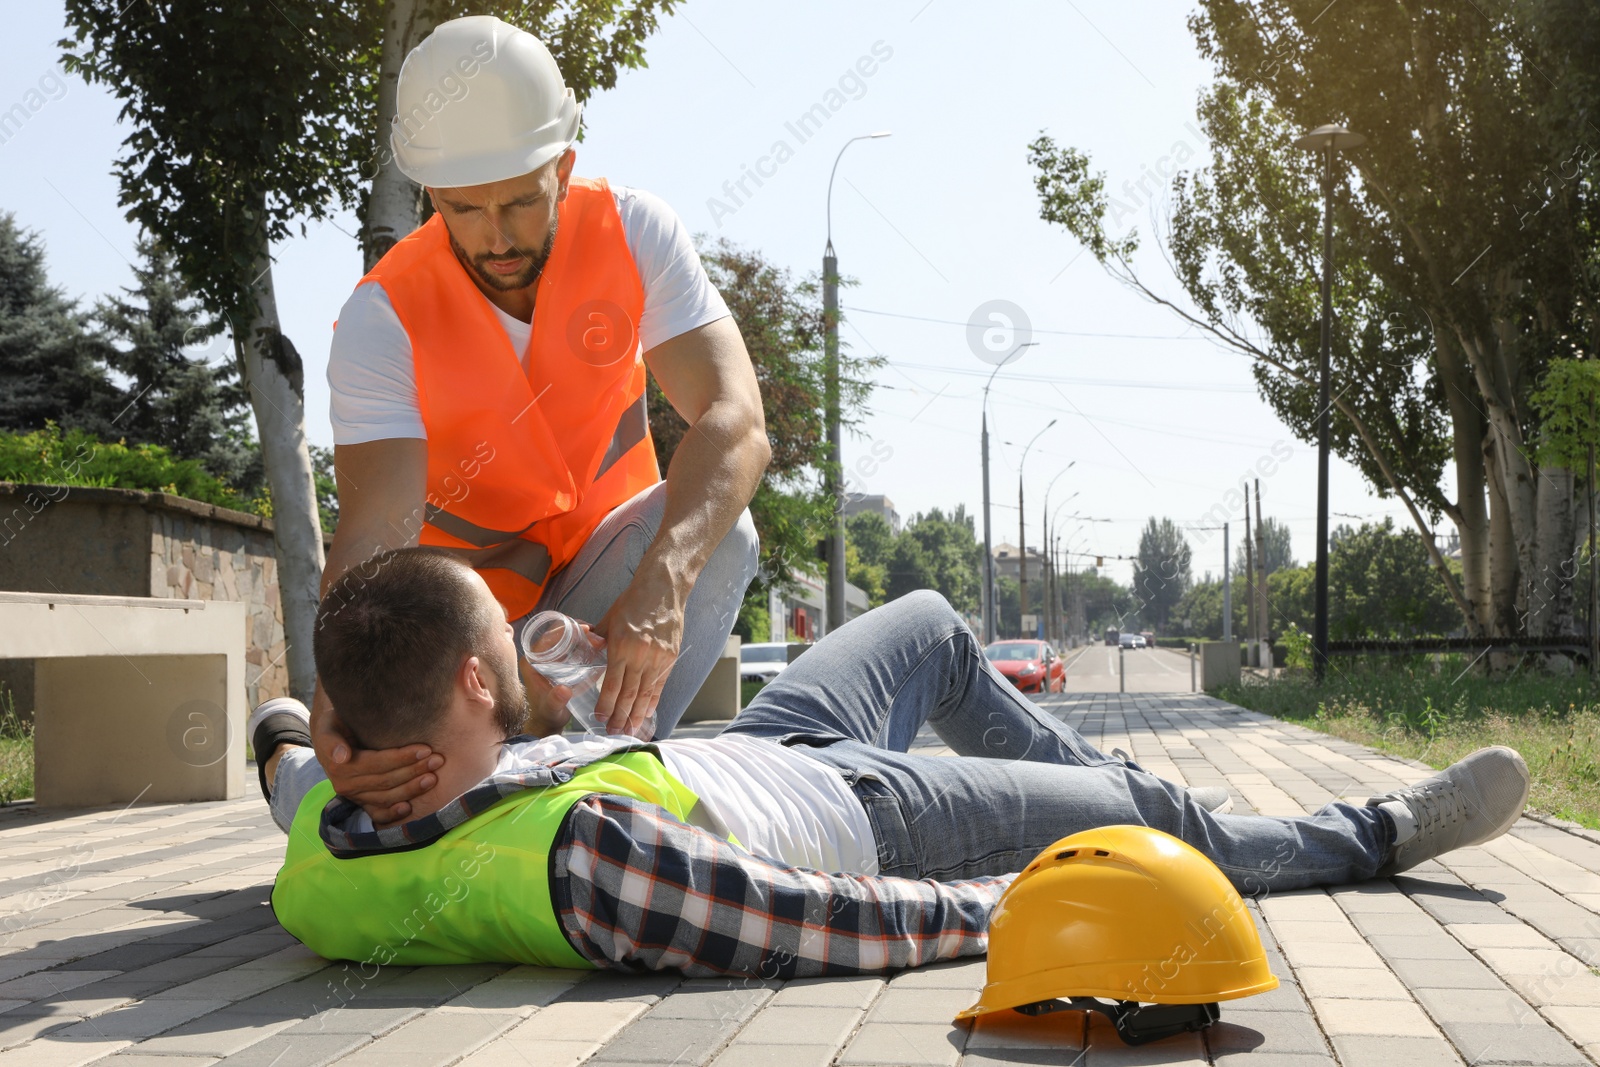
(1437, 714)
(16, 752)
(747, 690)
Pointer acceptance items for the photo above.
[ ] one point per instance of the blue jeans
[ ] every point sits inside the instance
(587, 587)
(1024, 779)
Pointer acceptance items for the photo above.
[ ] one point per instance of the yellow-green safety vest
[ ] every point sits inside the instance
(480, 893)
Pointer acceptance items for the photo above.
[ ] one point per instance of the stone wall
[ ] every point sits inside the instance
(124, 542)
(207, 558)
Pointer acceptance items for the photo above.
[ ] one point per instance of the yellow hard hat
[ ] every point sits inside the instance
(1129, 914)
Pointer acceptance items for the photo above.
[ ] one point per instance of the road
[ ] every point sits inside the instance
(1093, 669)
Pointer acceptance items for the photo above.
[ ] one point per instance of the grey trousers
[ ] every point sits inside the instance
(587, 587)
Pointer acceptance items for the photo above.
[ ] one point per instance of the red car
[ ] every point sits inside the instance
(1031, 666)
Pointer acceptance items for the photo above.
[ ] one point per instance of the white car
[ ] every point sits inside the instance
(762, 662)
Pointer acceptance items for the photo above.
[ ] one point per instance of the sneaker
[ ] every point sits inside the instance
(281, 720)
(1214, 798)
(1474, 800)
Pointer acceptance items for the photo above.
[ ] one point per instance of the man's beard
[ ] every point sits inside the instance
(511, 697)
(507, 282)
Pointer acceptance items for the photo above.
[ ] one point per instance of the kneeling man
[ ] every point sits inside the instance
(803, 840)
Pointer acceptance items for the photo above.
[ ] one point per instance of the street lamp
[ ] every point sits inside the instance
(1022, 534)
(1327, 140)
(987, 599)
(830, 315)
(1050, 593)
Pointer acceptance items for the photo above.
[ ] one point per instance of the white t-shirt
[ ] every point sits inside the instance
(773, 799)
(776, 801)
(370, 372)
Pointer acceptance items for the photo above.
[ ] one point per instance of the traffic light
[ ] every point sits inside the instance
(1099, 561)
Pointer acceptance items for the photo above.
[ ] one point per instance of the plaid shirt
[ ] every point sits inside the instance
(637, 889)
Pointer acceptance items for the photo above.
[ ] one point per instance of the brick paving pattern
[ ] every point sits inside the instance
(143, 938)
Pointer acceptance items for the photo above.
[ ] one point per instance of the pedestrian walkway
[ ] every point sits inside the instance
(142, 938)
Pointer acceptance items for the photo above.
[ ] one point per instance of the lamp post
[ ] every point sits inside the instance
(987, 600)
(1022, 533)
(1327, 140)
(830, 315)
(1051, 590)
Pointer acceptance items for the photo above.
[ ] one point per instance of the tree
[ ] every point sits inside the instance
(192, 407)
(1161, 572)
(1380, 585)
(1104, 600)
(1280, 555)
(938, 552)
(869, 544)
(1199, 613)
(1467, 242)
(240, 126)
(869, 532)
(780, 319)
(52, 359)
(592, 42)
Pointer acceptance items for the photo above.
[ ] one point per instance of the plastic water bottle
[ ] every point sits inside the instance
(556, 646)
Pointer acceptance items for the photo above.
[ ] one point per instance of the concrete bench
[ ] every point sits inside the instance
(136, 698)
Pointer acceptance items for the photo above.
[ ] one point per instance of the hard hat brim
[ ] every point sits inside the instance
(1066, 982)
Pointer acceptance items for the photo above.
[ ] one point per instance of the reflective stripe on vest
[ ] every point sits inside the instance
(478, 894)
(523, 465)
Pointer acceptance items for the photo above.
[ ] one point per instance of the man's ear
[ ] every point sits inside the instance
(564, 172)
(473, 678)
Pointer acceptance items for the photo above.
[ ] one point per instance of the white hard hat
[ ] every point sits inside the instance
(480, 101)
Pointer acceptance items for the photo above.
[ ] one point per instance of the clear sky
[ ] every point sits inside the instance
(934, 222)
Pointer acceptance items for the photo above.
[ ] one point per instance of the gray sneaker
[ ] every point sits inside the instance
(1472, 801)
(1214, 798)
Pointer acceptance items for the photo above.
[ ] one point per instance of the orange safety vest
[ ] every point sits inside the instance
(522, 466)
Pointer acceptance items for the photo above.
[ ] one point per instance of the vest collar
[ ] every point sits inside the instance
(525, 763)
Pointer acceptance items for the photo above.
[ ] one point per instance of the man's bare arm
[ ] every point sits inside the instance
(707, 375)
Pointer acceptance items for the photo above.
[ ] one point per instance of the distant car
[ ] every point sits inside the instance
(1031, 666)
(1130, 640)
(762, 662)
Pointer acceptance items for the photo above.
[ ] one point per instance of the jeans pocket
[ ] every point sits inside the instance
(898, 854)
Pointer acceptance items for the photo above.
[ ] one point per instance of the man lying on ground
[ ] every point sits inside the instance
(802, 840)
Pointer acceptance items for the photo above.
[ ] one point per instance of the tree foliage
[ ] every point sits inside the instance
(938, 551)
(52, 357)
(1161, 572)
(1465, 259)
(240, 122)
(780, 318)
(182, 393)
(1280, 554)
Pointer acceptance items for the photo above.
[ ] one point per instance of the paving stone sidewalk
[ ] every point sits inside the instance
(142, 938)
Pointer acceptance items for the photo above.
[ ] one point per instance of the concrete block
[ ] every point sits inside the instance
(718, 697)
(1396, 1018)
(1279, 1032)
(909, 1044)
(830, 992)
(1064, 1030)
(1444, 974)
(431, 1041)
(776, 1025)
(1360, 1050)
(1477, 1005)
(742, 1054)
(1342, 983)
(899, 1005)
(1496, 1043)
(657, 1041)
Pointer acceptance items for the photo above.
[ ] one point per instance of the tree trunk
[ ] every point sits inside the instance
(392, 209)
(276, 380)
(1550, 592)
(1471, 513)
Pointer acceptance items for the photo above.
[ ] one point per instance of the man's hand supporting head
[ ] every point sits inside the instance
(418, 657)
